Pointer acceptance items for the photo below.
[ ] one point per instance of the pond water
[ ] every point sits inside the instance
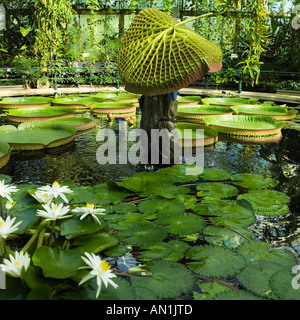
(77, 162)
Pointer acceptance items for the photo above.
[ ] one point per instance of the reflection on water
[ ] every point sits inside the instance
(77, 162)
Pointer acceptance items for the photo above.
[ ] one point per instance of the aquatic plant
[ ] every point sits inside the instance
(159, 55)
(182, 230)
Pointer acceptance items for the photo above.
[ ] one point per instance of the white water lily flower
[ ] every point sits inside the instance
(17, 264)
(43, 197)
(55, 191)
(100, 269)
(7, 226)
(89, 209)
(54, 212)
(6, 190)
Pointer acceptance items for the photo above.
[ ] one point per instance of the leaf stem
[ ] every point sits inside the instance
(42, 225)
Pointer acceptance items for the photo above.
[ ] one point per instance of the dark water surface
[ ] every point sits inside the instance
(77, 162)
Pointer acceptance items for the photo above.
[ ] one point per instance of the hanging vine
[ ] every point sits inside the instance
(53, 18)
(93, 6)
(257, 32)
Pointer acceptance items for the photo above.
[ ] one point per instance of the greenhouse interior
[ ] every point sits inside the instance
(147, 150)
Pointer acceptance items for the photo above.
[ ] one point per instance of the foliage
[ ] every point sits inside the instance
(53, 18)
(159, 231)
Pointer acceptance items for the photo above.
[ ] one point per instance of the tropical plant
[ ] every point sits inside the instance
(181, 242)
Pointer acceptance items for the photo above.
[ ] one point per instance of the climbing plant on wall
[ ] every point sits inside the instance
(53, 18)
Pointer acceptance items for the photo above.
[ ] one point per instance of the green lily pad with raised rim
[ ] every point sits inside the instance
(25, 102)
(36, 135)
(78, 123)
(277, 112)
(228, 101)
(190, 138)
(79, 104)
(102, 109)
(38, 114)
(188, 99)
(198, 112)
(5, 151)
(240, 125)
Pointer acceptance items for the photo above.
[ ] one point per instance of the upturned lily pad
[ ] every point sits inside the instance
(277, 112)
(242, 125)
(159, 55)
(216, 190)
(25, 102)
(38, 114)
(216, 262)
(228, 101)
(142, 234)
(253, 181)
(168, 279)
(36, 135)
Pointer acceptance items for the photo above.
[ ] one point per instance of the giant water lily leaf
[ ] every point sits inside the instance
(243, 125)
(24, 102)
(60, 265)
(228, 101)
(253, 181)
(277, 112)
(159, 55)
(254, 251)
(168, 280)
(216, 262)
(36, 135)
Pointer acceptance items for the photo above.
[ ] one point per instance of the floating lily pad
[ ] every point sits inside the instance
(142, 234)
(281, 284)
(161, 206)
(236, 296)
(5, 151)
(257, 278)
(115, 109)
(213, 174)
(277, 112)
(221, 236)
(168, 279)
(276, 204)
(254, 251)
(181, 223)
(36, 135)
(188, 99)
(60, 265)
(25, 102)
(216, 190)
(159, 55)
(78, 123)
(228, 101)
(239, 125)
(157, 251)
(253, 181)
(38, 114)
(192, 134)
(216, 262)
(79, 104)
(198, 112)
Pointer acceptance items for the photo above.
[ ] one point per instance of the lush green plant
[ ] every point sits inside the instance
(173, 232)
(53, 18)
